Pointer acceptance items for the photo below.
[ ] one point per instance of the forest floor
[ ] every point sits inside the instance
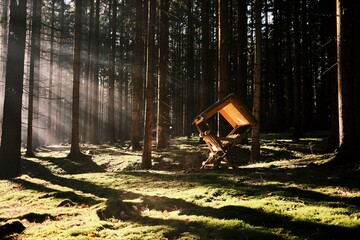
(290, 194)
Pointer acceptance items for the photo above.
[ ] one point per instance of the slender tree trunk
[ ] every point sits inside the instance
(242, 52)
(288, 84)
(297, 117)
(255, 134)
(278, 120)
(34, 79)
(95, 87)
(137, 92)
(111, 116)
(150, 80)
(206, 85)
(59, 105)
(50, 134)
(87, 77)
(178, 110)
(266, 88)
(162, 140)
(223, 59)
(190, 64)
(10, 155)
(307, 86)
(75, 152)
(121, 83)
(126, 96)
(242, 57)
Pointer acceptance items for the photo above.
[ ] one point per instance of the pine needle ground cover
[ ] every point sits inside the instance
(290, 194)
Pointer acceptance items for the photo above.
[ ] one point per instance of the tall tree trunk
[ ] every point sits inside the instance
(126, 97)
(75, 152)
(190, 64)
(297, 117)
(266, 104)
(162, 140)
(178, 109)
(111, 116)
(121, 83)
(137, 92)
(345, 22)
(278, 120)
(95, 86)
(223, 59)
(59, 104)
(242, 57)
(255, 134)
(328, 85)
(150, 82)
(50, 134)
(297, 76)
(307, 86)
(34, 79)
(242, 52)
(87, 77)
(288, 83)
(10, 155)
(206, 85)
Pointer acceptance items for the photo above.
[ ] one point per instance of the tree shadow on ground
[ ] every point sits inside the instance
(260, 224)
(39, 171)
(83, 165)
(253, 223)
(255, 184)
(202, 230)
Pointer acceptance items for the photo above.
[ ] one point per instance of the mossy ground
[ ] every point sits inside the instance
(290, 194)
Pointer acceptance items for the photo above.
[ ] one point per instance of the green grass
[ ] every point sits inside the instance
(289, 194)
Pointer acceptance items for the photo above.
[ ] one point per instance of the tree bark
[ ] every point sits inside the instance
(297, 117)
(34, 79)
(162, 140)
(206, 83)
(150, 80)
(223, 59)
(288, 82)
(111, 100)
(255, 134)
(345, 22)
(50, 133)
(75, 152)
(242, 52)
(190, 64)
(10, 154)
(278, 121)
(137, 91)
(59, 104)
(307, 85)
(95, 86)
(87, 76)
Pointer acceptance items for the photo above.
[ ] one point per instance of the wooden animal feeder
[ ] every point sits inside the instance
(240, 120)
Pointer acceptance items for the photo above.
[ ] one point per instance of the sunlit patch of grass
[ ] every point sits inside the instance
(118, 163)
(85, 225)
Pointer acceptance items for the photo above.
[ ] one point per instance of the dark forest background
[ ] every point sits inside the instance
(137, 65)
